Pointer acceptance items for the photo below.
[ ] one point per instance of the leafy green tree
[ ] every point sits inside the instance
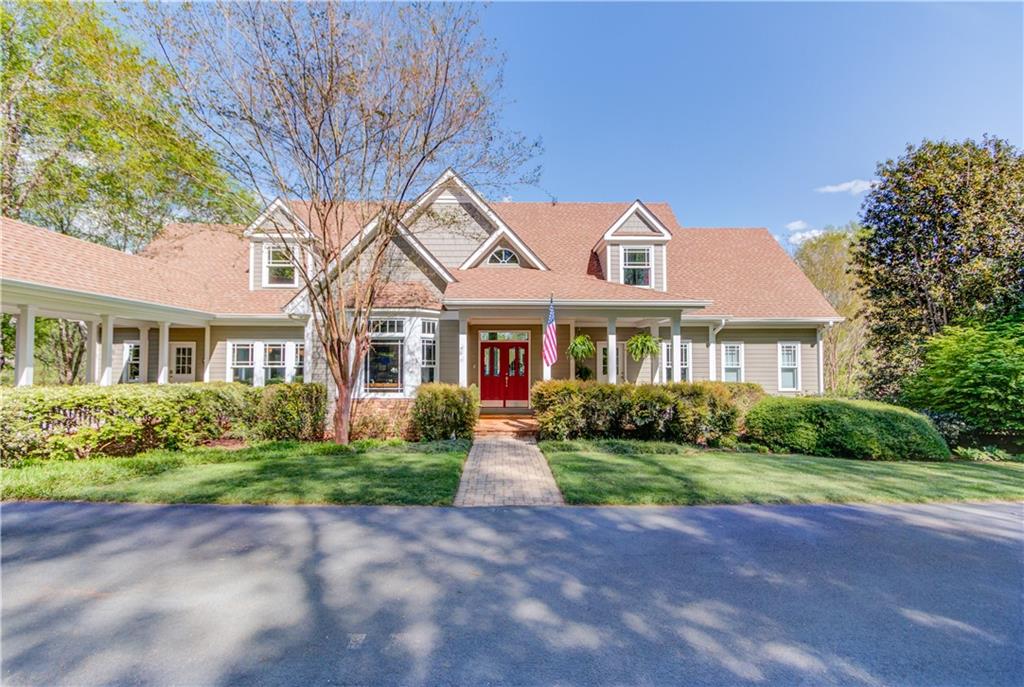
(826, 260)
(975, 371)
(943, 243)
(93, 139)
(92, 143)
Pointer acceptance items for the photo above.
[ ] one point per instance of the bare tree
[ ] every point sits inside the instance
(351, 108)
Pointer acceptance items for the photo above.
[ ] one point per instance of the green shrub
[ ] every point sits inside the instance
(81, 421)
(444, 411)
(844, 428)
(975, 371)
(291, 411)
(701, 413)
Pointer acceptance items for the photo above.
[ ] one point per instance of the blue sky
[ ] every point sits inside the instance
(737, 113)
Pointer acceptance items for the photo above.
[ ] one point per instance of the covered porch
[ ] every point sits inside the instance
(156, 343)
(501, 350)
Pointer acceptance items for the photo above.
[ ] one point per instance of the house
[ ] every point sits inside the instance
(467, 302)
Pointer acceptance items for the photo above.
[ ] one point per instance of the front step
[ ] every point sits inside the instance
(521, 426)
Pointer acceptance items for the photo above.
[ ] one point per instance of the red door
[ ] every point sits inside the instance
(505, 373)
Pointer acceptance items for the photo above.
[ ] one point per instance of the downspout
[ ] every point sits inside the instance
(712, 362)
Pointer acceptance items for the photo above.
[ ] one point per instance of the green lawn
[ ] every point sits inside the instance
(636, 472)
(281, 472)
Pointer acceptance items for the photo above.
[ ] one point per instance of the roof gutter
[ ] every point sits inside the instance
(62, 292)
(576, 303)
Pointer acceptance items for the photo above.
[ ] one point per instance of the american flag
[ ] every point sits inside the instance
(550, 354)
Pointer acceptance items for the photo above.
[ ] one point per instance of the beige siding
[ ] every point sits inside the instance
(761, 355)
(451, 232)
(404, 264)
(635, 225)
(560, 370)
(698, 338)
(448, 351)
(219, 337)
(257, 264)
(121, 335)
(177, 334)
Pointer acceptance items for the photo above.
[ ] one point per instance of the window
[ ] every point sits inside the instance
(636, 266)
(386, 327)
(732, 362)
(428, 352)
(384, 366)
(242, 366)
(274, 369)
(503, 256)
(181, 365)
(132, 361)
(684, 361)
(504, 336)
(299, 375)
(789, 366)
(278, 269)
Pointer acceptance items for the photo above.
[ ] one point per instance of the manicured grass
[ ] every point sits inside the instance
(279, 472)
(637, 472)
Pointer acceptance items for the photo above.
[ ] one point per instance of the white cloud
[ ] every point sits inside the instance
(506, 199)
(854, 187)
(801, 236)
(797, 225)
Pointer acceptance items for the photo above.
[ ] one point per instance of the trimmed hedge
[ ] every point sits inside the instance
(82, 421)
(291, 411)
(444, 411)
(843, 428)
(700, 413)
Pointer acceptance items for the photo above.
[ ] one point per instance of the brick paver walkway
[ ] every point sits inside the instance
(505, 471)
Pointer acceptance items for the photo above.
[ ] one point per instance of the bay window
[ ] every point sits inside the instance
(428, 351)
(299, 374)
(789, 366)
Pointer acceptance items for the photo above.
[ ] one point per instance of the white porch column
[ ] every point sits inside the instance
(712, 375)
(25, 346)
(207, 355)
(107, 352)
(656, 358)
(820, 349)
(463, 350)
(613, 353)
(677, 350)
(162, 353)
(143, 354)
(91, 336)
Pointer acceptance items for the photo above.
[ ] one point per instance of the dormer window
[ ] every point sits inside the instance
(503, 256)
(637, 266)
(278, 269)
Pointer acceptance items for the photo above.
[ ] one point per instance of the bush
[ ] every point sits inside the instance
(444, 411)
(81, 421)
(291, 411)
(701, 413)
(976, 372)
(843, 428)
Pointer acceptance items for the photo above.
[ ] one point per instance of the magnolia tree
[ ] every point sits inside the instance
(351, 109)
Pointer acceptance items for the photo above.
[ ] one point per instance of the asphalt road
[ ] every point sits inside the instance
(797, 595)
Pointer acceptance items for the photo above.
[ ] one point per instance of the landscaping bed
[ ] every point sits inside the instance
(617, 471)
(370, 472)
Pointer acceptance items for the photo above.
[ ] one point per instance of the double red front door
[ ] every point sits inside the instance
(505, 373)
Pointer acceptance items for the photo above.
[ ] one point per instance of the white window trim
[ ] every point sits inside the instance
(622, 265)
(502, 264)
(258, 358)
(638, 208)
(685, 349)
(778, 366)
(743, 362)
(399, 391)
(265, 282)
(124, 361)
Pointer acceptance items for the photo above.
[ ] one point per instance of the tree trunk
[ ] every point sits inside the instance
(342, 415)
